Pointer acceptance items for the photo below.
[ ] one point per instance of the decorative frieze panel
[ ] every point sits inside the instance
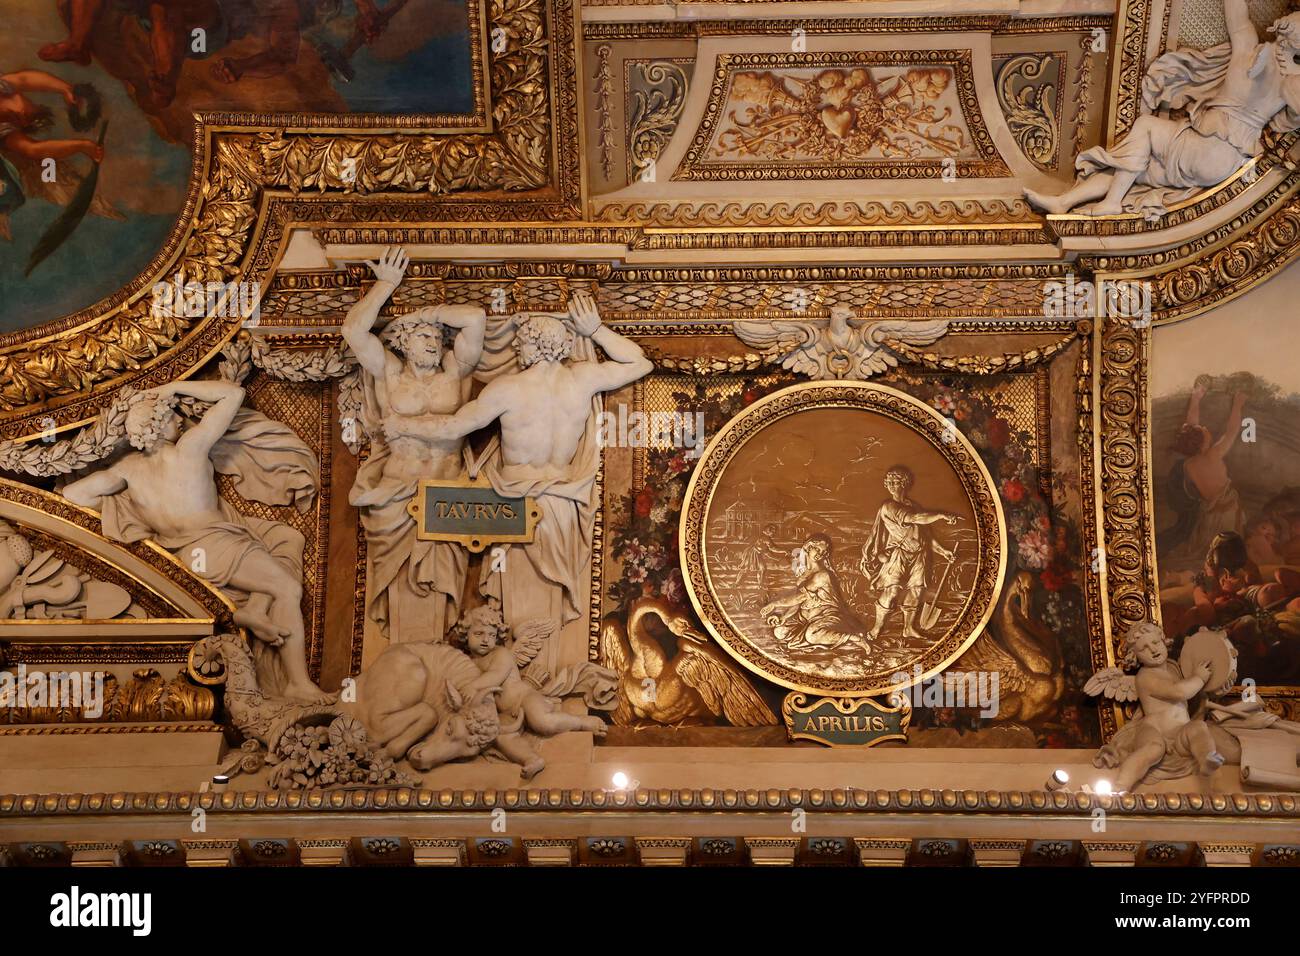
(818, 116)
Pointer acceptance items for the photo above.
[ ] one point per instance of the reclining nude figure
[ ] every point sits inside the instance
(167, 491)
(1230, 92)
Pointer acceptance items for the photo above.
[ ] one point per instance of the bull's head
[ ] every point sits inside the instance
(466, 730)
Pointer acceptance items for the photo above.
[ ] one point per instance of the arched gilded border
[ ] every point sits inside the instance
(245, 164)
(902, 408)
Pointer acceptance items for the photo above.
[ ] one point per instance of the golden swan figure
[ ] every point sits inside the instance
(697, 684)
(1025, 654)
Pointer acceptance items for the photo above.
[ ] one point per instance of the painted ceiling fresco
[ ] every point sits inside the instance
(97, 102)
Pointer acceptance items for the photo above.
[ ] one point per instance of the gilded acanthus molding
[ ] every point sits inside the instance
(1222, 263)
(1083, 94)
(657, 100)
(531, 83)
(145, 697)
(1029, 91)
(1128, 66)
(1129, 567)
(830, 214)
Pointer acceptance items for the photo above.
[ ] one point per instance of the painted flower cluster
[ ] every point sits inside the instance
(644, 524)
(1042, 538)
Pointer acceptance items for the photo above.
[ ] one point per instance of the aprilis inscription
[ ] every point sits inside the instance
(846, 722)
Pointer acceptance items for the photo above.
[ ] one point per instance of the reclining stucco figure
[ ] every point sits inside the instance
(1230, 92)
(166, 491)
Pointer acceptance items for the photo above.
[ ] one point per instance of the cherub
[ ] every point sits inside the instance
(520, 703)
(1162, 737)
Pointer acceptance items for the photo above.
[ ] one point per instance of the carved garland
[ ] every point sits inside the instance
(964, 364)
(104, 436)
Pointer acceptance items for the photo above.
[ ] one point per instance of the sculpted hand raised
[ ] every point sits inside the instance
(391, 265)
(583, 313)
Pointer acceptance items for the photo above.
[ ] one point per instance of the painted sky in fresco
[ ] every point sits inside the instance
(263, 55)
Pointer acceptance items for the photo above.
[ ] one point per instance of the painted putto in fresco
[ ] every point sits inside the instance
(97, 104)
(1228, 522)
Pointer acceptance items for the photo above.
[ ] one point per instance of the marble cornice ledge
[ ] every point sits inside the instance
(1262, 806)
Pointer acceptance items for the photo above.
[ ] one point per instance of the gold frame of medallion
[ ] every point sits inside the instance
(904, 409)
(472, 542)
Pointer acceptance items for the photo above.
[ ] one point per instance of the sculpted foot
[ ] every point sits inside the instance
(595, 725)
(532, 768)
(261, 627)
(1049, 204)
(307, 693)
(1108, 209)
(1211, 762)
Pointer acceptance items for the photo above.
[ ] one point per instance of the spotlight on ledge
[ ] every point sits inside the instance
(620, 780)
(1057, 780)
(1103, 788)
(220, 782)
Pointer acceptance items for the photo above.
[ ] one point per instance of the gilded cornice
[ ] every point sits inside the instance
(246, 164)
(998, 25)
(1008, 803)
(1128, 66)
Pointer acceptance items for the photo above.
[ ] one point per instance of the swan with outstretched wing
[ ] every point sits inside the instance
(696, 685)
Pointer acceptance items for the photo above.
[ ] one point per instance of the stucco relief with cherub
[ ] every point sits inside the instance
(457, 674)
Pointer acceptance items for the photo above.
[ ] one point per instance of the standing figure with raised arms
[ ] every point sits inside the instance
(412, 587)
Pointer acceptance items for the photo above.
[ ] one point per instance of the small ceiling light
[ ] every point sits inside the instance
(1057, 780)
(620, 780)
(1103, 788)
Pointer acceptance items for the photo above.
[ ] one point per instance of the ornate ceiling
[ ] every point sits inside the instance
(635, 143)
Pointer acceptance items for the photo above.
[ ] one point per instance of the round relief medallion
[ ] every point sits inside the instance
(842, 539)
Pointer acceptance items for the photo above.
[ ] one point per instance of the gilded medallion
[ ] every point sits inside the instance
(842, 539)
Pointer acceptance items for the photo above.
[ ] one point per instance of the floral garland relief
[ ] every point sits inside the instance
(1043, 538)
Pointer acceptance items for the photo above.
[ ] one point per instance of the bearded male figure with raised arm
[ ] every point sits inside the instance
(413, 587)
(167, 491)
(546, 398)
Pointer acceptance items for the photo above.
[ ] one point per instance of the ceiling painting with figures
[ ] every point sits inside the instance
(526, 433)
(97, 104)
